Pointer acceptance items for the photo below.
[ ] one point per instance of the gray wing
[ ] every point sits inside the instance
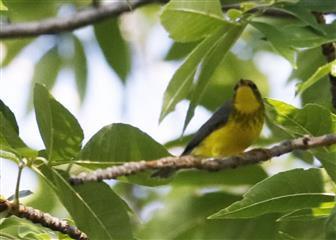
(219, 118)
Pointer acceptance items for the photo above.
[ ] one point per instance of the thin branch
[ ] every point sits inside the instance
(211, 164)
(45, 219)
(64, 24)
(329, 51)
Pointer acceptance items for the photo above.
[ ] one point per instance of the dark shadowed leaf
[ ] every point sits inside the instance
(9, 116)
(115, 49)
(283, 192)
(59, 129)
(330, 229)
(192, 20)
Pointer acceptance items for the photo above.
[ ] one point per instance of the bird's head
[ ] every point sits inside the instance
(247, 98)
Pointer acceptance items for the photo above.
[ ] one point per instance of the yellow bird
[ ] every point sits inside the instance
(231, 129)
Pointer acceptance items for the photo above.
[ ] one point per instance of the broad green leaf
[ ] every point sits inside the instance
(312, 119)
(179, 50)
(188, 21)
(114, 47)
(94, 207)
(12, 49)
(308, 214)
(80, 67)
(3, 6)
(59, 129)
(318, 74)
(192, 208)
(180, 84)
(46, 71)
(209, 65)
(240, 176)
(118, 143)
(330, 227)
(283, 192)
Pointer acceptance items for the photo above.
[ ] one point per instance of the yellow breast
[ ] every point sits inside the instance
(233, 138)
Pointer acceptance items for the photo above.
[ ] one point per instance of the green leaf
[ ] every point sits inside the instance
(180, 50)
(209, 65)
(118, 143)
(59, 129)
(114, 47)
(241, 176)
(283, 192)
(312, 119)
(318, 74)
(46, 71)
(88, 205)
(188, 21)
(330, 227)
(308, 214)
(179, 86)
(80, 67)
(192, 208)
(327, 158)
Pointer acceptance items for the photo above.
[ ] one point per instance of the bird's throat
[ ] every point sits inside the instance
(245, 101)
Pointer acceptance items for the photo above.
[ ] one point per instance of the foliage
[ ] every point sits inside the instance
(294, 203)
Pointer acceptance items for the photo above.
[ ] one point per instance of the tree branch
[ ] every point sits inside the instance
(211, 164)
(45, 219)
(64, 24)
(329, 51)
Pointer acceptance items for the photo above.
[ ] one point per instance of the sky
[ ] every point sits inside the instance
(103, 104)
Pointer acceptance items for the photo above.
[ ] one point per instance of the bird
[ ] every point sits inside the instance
(231, 129)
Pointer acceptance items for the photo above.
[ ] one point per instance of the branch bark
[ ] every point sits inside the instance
(211, 164)
(45, 219)
(64, 24)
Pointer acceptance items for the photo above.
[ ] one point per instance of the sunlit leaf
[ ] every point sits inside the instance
(180, 50)
(192, 20)
(12, 49)
(59, 129)
(283, 192)
(114, 47)
(3, 6)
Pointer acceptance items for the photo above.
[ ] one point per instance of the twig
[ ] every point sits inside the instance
(45, 219)
(64, 24)
(329, 51)
(211, 164)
